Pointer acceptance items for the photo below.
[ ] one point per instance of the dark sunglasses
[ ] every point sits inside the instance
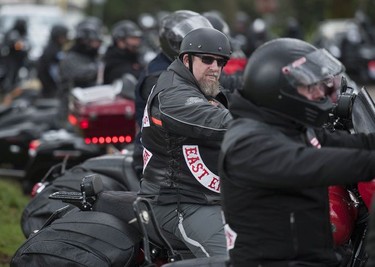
(221, 62)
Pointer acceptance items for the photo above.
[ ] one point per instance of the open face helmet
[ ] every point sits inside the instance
(206, 41)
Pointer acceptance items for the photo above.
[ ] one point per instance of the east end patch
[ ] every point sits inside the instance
(199, 170)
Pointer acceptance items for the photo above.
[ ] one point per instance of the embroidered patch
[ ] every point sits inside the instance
(315, 142)
(199, 170)
(193, 100)
(230, 236)
(145, 119)
(146, 158)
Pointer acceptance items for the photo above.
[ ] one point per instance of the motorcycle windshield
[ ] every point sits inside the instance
(315, 67)
(363, 113)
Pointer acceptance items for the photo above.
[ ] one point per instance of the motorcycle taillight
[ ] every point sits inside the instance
(84, 124)
(37, 188)
(72, 119)
(33, 145)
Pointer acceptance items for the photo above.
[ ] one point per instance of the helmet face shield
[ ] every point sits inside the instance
(185, 26)
(174, 27)
(316, 67)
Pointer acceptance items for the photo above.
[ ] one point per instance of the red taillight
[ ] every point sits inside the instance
(84, 124)
(108, 139)
(371, 64)
(37, 188)
(72, 119)
(33, 146)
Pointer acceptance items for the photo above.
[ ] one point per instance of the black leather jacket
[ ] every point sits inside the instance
(181, 133)
(274, 185)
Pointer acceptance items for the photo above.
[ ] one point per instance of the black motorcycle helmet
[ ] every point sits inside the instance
(175, 26)
(206, 41)
(89, 29)
(217, 22)
(57, 31)
(275, 70)
(125, 29)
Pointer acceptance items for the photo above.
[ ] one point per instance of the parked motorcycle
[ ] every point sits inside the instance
(102, 121)
(24, 120)
(105, 114)
(53, 152)
(115, 170)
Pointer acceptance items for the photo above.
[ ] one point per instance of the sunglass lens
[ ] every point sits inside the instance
(209, 60)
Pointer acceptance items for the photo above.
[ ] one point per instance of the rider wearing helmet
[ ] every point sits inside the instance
(48, 63)
(231, 78)
(122, 56)
(277, 160)
(80, 65)
(175, 26)
(183, 125)
(173, 29)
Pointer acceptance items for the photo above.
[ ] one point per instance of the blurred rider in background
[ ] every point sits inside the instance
(81, 65)
(14, 52)
(48, 65)
(123, 56)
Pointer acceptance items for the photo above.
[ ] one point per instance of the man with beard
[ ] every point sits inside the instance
(123, 55)
(183, 125)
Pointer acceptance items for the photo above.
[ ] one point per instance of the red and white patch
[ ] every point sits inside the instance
(230, 236)
(199, 170)
(315, 142)
(145, 119)
(147, 155)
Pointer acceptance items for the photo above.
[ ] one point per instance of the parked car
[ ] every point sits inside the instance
(40, 19)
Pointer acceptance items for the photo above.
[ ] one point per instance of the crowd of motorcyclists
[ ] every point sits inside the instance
(187, 96)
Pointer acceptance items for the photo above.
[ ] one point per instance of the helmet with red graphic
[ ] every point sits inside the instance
(277, 68)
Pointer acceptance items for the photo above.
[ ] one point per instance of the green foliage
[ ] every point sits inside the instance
(12, 204)
(309, 13)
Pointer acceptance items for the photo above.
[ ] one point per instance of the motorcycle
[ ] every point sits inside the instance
(349, 205)
(102, 121)
(52, 153)
(24, 120)
(105, 114)
(158, 248)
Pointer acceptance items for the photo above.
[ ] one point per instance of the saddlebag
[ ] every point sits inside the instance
(80, 238)
(40, 208)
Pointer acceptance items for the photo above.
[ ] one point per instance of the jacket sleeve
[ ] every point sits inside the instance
(189, 113)
(273, 161)
(343, 139)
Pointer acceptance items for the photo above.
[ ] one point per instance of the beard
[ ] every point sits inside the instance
(209, 87)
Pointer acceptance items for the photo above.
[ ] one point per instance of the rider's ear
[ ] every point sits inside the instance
(185, 60)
